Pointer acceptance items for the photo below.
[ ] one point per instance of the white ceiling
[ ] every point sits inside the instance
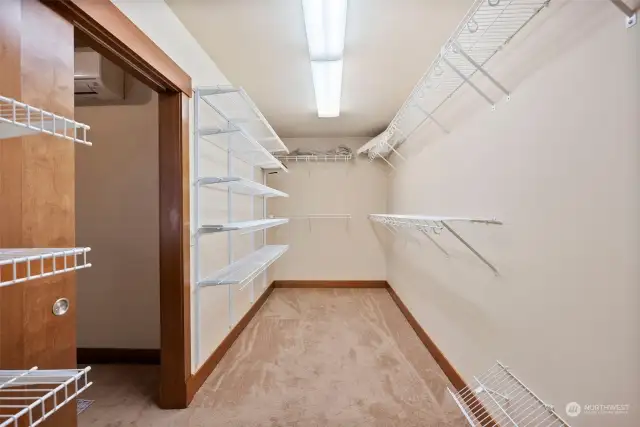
(261, 45)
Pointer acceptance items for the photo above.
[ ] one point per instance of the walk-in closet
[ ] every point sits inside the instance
(319, 213)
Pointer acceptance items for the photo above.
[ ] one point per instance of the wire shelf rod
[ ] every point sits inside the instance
(20, 119)
(499, 398)
(246, 226)
(244, 270)
(24, 264)
(29, 397)
(242, 186)
(485, 30)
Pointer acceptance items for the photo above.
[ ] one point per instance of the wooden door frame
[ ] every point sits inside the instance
(113, 35)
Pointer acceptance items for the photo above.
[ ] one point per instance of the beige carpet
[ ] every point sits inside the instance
(310, 357)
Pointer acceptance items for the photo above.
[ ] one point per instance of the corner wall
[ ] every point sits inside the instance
(328, 249)
(560, 165)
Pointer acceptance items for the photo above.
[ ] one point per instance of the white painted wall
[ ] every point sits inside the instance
(117, 215)
(329, 249)
(560, 165)
(218, 304)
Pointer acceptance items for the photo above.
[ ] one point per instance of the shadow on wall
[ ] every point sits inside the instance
(412, 258)
(511, 68)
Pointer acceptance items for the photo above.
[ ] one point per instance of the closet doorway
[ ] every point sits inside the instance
(101, 27)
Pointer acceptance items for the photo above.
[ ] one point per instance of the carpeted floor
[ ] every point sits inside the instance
(310, 357)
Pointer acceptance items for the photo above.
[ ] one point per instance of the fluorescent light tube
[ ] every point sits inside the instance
(327, 82)
(325, 22)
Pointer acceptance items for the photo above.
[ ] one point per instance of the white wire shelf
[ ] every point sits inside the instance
(242, 145)
(23, 264)
(430, 225)
(19, 119)
(236, 106)
(246, 269)
(243, 186)
(246, 226)
(498, 398)
(27, 398)
(316, 158)
(486, 28)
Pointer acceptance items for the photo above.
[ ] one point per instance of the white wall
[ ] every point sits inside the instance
(117, 215)
(218, 304)
(333, 249)
(560, 165)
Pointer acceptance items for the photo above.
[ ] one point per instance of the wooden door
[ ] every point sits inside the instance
(37, 202)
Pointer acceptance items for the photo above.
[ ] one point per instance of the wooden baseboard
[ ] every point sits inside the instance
(448, 369)
(330, 284)
(196, 380)
(454, 377)
(122, 356)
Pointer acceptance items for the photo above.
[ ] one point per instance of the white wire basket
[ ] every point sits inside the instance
(29, 397)
(19, 119)
(24, 264)
(499, 399)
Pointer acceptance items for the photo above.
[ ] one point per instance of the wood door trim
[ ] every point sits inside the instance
(175, 286)
(113, 34)
(330, 284)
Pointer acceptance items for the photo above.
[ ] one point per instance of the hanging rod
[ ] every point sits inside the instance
(434, 225)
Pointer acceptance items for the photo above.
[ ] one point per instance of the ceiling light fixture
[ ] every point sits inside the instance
(325, 22)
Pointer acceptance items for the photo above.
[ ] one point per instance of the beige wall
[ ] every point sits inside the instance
(117, 216)
(560, 165)
(333, 249)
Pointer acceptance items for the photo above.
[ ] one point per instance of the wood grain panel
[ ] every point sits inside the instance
(113, 34)
(330, 284)
(37, 186)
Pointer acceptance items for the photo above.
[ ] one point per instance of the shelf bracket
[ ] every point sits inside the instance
(464, 242)
(426, 233)
(469, 82)
(433, 119)
(458, 49)
(631, 16)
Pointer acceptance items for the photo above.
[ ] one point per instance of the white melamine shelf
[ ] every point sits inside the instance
(499, 399)
(316, 158)
(434, 225)
(242, 145)
(248, 268)
(243, 186)
(29, 397)
(247, 226)
(23, 264)
(487, 27)
(19, 119)
(235, 106)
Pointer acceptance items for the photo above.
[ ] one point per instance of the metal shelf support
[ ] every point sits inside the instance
(631, 16)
